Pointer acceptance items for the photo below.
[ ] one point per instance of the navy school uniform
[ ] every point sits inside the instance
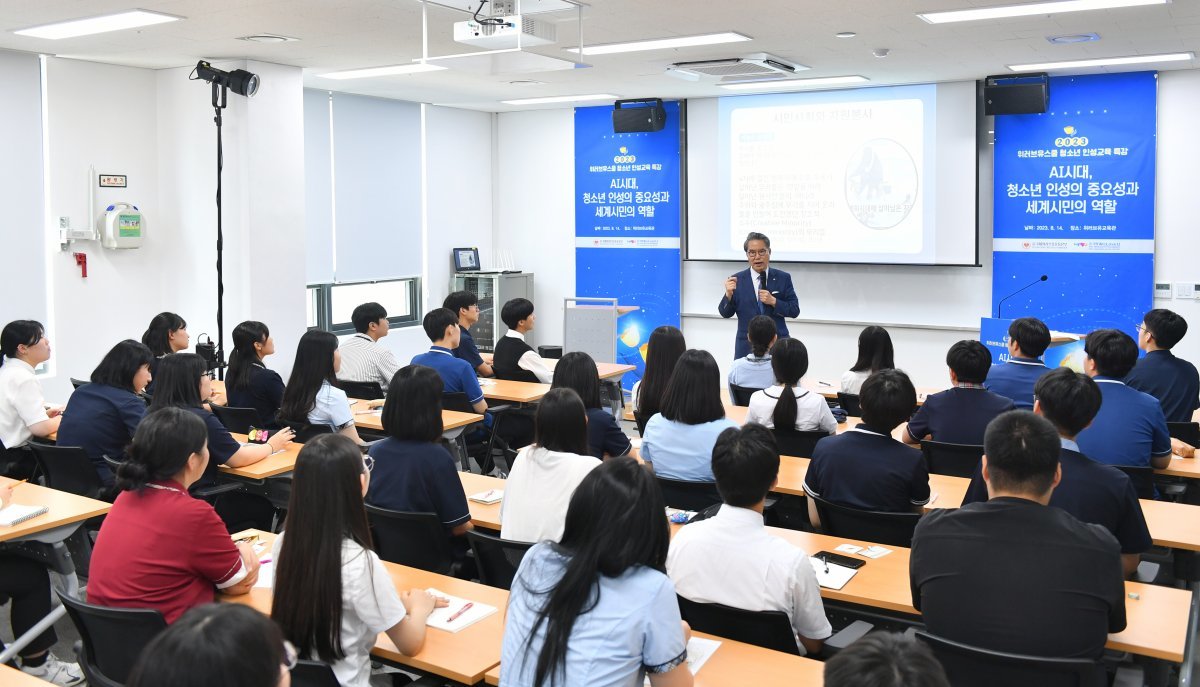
(467, 349)
(420, 477)
(1173, 381)
(1130, 428)
(101, 420)
(1015, 379)
(868, 469)
(604, 435)
(958, 416)
(263, 392)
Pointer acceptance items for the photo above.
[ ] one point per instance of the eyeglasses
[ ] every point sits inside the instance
(368, 463)
(762, 252)
(204, 375)
(290, 656)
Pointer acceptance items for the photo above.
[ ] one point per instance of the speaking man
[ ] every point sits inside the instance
(758, 290)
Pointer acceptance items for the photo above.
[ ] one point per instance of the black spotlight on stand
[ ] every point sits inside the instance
(243, 83)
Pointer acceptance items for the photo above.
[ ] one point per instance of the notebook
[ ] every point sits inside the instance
(441, 617)
(836, 577)
(16, 513)
(488, 497)
(699, 650)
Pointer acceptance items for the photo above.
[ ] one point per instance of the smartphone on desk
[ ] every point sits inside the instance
(838, 559)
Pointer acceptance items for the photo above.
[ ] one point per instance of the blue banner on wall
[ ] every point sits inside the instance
(1074, 200)
(627, 218)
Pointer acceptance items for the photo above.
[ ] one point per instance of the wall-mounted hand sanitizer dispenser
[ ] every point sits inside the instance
(124, 226)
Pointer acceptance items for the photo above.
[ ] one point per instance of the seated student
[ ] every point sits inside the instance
(597, 608)
(1028, 339)
(1173, 381)
(1130, 428)
(731, 559)
(1090, 491)
(885, 659)
(231, 645)
(325, 555)
(577, 371)
(364, 359)
(1054, 585)
(23, 410)
(465, 305)
(546, 473)
(442, 328)
(183, 382)
(413, 470)
(865, 467)
(875, 353)
(311, 396)
(105, 414)
(663, 349)
(250, 384)
(678, 440)
(787, 404)
(159, 547)
(960, 414)
(27, 583)
(166, 334)
(754, 371)
(514, 359)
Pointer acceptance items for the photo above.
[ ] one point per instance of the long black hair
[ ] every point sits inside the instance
(325, 509)
(413, 409)
(615, 522)
(313, 367)
(561, 422)
(244, 355)
(577, 371)
(231, 645)
(875, 351)
(693, 394)
(121, 363)
(789, 362)
(663, 349)
(161, 446)
(19, 333)
(178, 381)
(158, 335)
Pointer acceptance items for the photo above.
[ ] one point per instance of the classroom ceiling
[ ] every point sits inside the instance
(347, 34)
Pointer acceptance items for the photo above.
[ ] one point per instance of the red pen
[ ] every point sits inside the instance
(460, 611)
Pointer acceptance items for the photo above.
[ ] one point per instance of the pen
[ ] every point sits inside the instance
(460, 611)
(16, 484)
(826, 562)
(824, 383)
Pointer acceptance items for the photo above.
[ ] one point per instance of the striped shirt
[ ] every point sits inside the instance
(364, 360)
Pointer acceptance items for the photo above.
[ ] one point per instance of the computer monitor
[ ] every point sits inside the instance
(466, 259)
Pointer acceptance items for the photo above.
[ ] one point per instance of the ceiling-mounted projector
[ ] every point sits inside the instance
(505, 33)
(757, 67)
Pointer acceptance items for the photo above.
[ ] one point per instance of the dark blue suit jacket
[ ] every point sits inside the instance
(745, 305)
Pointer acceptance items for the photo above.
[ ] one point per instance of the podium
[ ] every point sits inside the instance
(1066, 349)
(590, 326)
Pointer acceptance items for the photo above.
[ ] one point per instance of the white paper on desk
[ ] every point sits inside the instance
(487, 497)
(836, 578)
(699, 650)
(266, 575)
(440, 617)
(874, 552)
(483, 381)
(848, 548)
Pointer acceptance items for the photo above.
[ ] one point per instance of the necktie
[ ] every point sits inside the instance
(758, 285)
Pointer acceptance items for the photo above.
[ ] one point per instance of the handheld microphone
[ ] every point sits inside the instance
(1001, 303)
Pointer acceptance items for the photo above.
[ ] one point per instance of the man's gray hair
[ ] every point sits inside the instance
(755, 236)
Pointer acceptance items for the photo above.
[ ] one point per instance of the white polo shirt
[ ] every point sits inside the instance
(812, 411)
(730, 559)
(538, 491)
(21, 402)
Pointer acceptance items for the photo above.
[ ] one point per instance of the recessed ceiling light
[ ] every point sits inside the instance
(268, 38)
(526, 82)
(663, 43)
(1031, 9)
(415, 68)
(1103, 62)
(101, 24)
(560, 99)
(845, 34)
(785, 84)
(1073, 38)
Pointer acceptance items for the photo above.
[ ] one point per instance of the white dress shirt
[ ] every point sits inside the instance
(812, 411)
(852, 381)
(21, 402)
(730, 559)
(365, 360)
(531, 361)
(538, 491)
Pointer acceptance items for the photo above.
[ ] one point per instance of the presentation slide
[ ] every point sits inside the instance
(869, 175)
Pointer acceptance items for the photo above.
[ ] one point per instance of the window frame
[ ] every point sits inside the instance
(321, 298)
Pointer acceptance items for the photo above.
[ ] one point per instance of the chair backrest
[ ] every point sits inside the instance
(849, 403)
(313, 674)
(76, 383)
(238, 420)
(18, 463)
(367, 391)
(688, 495)
(496, 558)
(793, 443)
(880, 527)
(956, 460)
(1142, 477)
(768, 629)
(68, 468)
(457, 401)
(1187, 432)
(740, 395)
(968, 665)
(113, 638)
(305, 432)
(640, 419)
(413, 539)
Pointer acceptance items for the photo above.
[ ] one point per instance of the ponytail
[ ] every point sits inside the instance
(785, 409)
(789, 362)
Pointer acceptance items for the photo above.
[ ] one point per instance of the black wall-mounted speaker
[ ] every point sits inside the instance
(1016, 94)
(636, 116)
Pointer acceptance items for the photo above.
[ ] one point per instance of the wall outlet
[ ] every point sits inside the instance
(64, 223)
(1185, 290)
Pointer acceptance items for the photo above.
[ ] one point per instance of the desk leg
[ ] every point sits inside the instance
(65, 567)
(1189, 646)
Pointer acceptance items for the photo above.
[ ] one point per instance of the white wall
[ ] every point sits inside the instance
(22, 262)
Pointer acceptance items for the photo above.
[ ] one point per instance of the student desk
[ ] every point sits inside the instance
(736, 663)
(451, 419)
(606, 371)
(519, 392)
(515, 392)
(463, 656)
(11, 677)
(67, 513)
(483, 515)
(830, 391)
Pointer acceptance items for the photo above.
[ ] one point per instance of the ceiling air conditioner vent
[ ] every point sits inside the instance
(750, 67)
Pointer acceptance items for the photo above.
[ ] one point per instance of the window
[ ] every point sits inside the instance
(330, 305)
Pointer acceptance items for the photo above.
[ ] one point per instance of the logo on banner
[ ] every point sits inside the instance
(1070, 140)
(624, 158)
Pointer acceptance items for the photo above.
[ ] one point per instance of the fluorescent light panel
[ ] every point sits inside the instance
(393, 70)
(1031, 9)
(560, 99)
(663, 43)
(1103, 62)
(101, 24)
(795, 83)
